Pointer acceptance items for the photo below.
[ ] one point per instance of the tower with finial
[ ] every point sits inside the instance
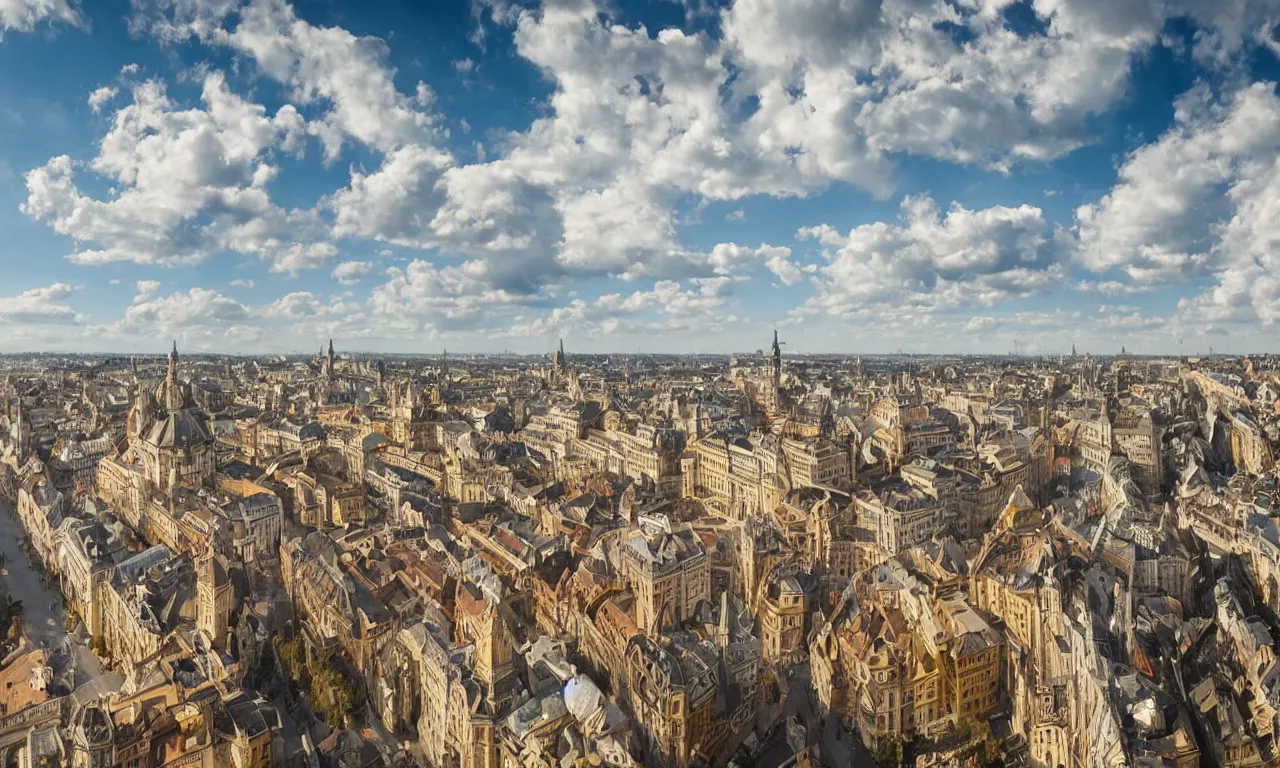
(21, 433)
(214, 598)
(171, 394)
(776, 360)
(328, 361)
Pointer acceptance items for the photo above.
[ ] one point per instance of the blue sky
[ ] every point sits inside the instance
(865, 175)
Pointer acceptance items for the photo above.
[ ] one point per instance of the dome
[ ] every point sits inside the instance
(582, 698)
(184, 428)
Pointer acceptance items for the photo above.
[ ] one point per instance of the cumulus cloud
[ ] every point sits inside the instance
(165, 315)
(979, 323)
(190, 183)
(932, 259)
(100, 96)
(24, 15)
(348, 74)
(1200, 201)
(40, 306)
(352, 272)
(147, 288)
(667, 307)
(778, 261)
(449, 297)
(301, 305)
(777, 98)
(842, 80)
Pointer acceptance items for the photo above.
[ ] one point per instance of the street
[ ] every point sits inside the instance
(42, 613)
(837, 746)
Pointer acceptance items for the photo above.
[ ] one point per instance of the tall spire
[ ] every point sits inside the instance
(170, 395)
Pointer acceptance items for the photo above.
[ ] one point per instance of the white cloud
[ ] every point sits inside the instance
(787, 271)
(165, 315)
(643, 125)
(24, 15)
(737, 215)
(1200, 201)
(667, 307)
(733, 260)
(100, 96)
(374, 205)
(296, 306)
(931, 259)
(326, 65)
(293, 258)
(979, 323)
(40, 306)
(241, 283)
(147, 288)
(1111, 288)
(635, 123)
(846, 80)
(189, 183)
(352, 272)
(447, 298)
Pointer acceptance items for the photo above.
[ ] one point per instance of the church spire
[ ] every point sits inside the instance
(171, 396)
(776, 359)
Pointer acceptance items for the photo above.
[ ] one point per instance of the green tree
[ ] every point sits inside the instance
(888, 752)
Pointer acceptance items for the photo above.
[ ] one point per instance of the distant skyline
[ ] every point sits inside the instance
(868, 176)
(153, 359)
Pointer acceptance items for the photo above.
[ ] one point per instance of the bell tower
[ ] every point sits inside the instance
(213, 598)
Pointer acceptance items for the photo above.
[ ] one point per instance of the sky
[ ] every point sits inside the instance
(865, 176)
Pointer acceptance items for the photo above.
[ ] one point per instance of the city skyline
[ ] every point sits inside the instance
(494, 175)
(640, 383)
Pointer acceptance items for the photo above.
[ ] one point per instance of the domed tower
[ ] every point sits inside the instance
(173, 436)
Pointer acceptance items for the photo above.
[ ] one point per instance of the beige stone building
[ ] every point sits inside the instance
(744, 477)
(668, 571)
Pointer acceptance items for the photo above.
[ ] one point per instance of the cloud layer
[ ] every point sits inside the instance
(588, 218)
